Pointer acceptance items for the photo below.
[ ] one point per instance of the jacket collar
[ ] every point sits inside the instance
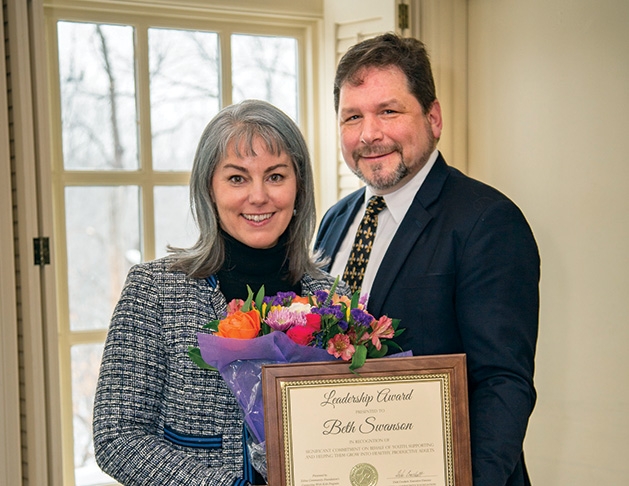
(413, 225)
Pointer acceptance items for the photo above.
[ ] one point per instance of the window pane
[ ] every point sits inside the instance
(185, 94)
(174, 224)
(98, 108)
(103, 241)
(85, 366)
(265, 68)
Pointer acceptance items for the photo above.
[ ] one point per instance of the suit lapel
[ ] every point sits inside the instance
(413, 225)
(332, 239)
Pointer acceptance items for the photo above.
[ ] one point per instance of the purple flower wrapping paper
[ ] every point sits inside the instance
(239, 361)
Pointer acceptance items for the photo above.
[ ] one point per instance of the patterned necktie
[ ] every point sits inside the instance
(359, 256)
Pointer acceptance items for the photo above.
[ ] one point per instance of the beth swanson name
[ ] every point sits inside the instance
(369, 425)
(381, 396)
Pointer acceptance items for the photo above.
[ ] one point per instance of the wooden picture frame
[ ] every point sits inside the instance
(397, 421)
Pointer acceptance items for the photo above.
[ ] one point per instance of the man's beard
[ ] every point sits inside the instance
(381, 181)
(384, 181)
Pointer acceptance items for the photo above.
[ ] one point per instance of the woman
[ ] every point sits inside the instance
(158, 419)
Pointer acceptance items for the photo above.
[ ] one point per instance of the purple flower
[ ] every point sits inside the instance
(363, 299)
(285, 298)
(361, 317)
(281, 298)
(321, 296)
(343, 325)
(331, 311)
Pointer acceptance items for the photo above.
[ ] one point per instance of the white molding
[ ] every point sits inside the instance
(43, 166)
(10, 440)
(217, 10)
(29, 284)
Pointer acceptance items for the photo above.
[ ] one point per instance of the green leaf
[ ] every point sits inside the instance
(359, 358)
(332, 291)
(265, 328)
(355, 299)
(212, 325)
(246, 307)
(260, 299)
(375, 353)
(395, 345)
(195, 356)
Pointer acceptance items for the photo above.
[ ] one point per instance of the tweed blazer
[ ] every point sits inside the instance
(158, 418)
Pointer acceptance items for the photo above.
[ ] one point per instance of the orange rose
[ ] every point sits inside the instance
(240, 325)
(301, 300)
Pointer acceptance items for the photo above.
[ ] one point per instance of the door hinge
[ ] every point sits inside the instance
(402, 16)
(41, 250)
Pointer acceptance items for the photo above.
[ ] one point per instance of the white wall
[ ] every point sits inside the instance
(549, 126)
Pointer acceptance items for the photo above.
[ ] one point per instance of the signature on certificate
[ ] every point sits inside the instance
(409, 473)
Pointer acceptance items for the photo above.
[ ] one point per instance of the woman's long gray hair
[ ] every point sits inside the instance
(238, 126)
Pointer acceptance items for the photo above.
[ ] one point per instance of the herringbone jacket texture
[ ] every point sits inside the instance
(158, 418)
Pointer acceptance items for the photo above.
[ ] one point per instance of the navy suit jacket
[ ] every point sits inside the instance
(462, 274)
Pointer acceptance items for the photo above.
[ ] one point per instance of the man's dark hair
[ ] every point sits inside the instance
(386, 50)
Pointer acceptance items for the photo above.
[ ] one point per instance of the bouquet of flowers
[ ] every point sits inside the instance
(287, 328)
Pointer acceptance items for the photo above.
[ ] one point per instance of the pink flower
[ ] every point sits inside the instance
(300, 334)
(313, 321)
(282, 319)
(234, 306)
(341, 347)
(382, 328)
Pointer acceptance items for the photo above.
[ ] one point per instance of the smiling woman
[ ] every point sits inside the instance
(157, 416)
(132, 94)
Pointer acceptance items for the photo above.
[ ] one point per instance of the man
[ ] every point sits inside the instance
(453, 258)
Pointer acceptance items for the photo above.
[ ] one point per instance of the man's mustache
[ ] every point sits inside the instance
(375, 151)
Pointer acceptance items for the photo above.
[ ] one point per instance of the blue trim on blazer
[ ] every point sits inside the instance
(201, 442)
(248, 471)
(212, 280)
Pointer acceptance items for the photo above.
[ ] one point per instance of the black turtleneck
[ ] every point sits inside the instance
(255, 267)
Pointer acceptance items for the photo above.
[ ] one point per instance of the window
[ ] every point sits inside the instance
(131, 95)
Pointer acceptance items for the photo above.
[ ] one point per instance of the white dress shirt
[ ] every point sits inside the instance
(389, 221)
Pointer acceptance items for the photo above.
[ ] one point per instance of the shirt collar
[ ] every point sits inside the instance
(399, 201)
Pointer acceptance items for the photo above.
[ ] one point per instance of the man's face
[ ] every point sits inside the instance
(386, 138)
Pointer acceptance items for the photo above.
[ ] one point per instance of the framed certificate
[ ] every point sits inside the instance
(398, 421)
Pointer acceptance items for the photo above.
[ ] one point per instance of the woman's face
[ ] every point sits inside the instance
(255, 195)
